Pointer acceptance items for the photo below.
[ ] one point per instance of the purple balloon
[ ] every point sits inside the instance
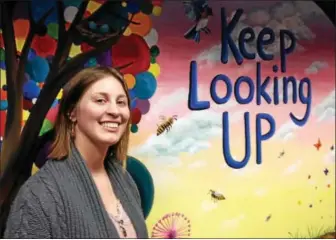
(143, 105)
(105, 58)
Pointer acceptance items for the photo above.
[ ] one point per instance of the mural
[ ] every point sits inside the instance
(232, 129)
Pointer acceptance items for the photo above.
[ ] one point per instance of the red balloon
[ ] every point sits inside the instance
(2, 123)
(136, 116)
(44, 45)
(52, 113)
(86, 47)
(131, 49)
(27, 104)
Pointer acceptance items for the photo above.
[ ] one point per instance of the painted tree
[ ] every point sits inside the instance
(61, 38)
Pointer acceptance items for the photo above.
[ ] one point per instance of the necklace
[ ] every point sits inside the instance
(118, 219)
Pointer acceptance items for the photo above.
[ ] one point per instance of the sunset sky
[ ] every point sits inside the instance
(188, 161)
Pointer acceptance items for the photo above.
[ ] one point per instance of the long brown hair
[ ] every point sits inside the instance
(72, 93)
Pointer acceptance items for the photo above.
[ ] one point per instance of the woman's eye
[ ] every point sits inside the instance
(122, 103)
(101, 101)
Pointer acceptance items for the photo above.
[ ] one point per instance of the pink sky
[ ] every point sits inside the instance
(177, 52)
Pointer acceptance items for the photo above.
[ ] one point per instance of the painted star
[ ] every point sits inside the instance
(326, 171)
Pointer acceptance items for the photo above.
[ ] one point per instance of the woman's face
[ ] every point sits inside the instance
(102, 113)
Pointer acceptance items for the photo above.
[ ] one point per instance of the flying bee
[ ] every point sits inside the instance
(166, 125)
(216, 195)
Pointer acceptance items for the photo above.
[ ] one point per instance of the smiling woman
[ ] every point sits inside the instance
(84, 190)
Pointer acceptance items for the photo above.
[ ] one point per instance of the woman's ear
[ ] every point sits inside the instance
(72, 115)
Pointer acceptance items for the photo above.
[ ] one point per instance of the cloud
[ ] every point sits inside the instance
(293, 168)
(189, 134)
(315, 67)
(164, 177)
(197, 164)
(208, 205)
(286, 131)
(325, 110)
(170, 100)
(247, 171)
(232, 223)
(285, 15)
(330, 157)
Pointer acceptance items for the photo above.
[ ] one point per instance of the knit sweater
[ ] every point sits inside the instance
(62, 201)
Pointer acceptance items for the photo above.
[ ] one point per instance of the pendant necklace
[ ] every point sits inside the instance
(119, 219)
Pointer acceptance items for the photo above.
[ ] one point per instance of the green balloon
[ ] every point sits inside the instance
(2, 54)
(153, 59)
(154, 51)
(144, 182)
(53, 30)
(47, 125)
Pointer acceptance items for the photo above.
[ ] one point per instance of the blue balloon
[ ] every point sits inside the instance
(145, 85)
(133, 7)
(133, 103)
(40, 7)
(31, 90)
(134, 128)
(31, 54)
(54, 103)
(38, 69)
(3, 65)
(104, 28)
(131, 93)
(144, 181)
(3, 105)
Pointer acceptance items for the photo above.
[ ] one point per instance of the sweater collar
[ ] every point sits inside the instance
(115, 172)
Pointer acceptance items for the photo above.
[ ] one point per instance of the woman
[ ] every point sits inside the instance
(84, 190)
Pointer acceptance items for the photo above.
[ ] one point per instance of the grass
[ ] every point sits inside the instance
(312, 232)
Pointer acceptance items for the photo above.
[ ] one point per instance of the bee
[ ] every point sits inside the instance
(216, 195)
(166, 125)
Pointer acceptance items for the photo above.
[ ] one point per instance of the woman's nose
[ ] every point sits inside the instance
(113, 109)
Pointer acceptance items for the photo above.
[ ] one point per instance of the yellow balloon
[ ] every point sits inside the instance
(130, 80)
(34, 169)
(74, 50)
(154, 68)
(157, 10)
(124, 4)
(93, 6)
(2, 77)
(127, 32)
(25, 115)
(60, 94)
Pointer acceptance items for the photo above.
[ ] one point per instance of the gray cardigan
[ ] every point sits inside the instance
(62, 201)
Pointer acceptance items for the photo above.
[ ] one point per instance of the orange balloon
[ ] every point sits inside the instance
(21, 28)
(143, 26)
(130, 80)
(3, 94)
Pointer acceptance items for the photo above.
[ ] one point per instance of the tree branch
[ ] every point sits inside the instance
(25, 50)
(12, 131)
(61, 23)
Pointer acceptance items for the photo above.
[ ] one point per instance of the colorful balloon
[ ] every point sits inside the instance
(144, 26)
(143, 105)
(130, 80)
(136, 116)
(44, 45)
(157, 10)
(105, 58)
(134, 128)
(131, 49)
(70, 13)
(38, 69)
(152, 37)
(3, 105)
(30, 90)
(145, 85)
(53, 30)
(154, 69)
(21, 28)
(3, 115)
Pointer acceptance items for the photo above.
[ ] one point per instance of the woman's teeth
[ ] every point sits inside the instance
(110, 125)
